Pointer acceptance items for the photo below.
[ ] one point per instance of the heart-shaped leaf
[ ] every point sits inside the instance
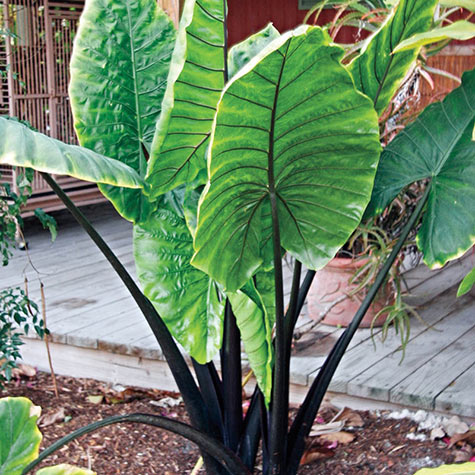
(119, 70)
(379, 73)
(291, 119)
(437, 147)
(23, 147)
(197, 77)
(19, 436)
(186, 298)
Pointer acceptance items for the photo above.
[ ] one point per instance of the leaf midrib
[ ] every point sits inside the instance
(270, 156)
(142, 164)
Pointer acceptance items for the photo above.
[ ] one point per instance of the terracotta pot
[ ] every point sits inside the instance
(332, 283)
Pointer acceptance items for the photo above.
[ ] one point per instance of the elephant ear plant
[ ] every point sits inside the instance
(227, 160)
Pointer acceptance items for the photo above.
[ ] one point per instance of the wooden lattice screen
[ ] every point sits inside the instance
(4, 109)
(5, 172)
(35, 83)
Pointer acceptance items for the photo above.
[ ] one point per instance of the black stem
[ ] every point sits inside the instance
(249, 443)
(211, 390)
(186, 384)
(250, 432)
(232, 376)
(279, 407)
(264, 432)
(214, 448)
(280, 403)
(293, 310)
(304, 289)
(283, 407)
(309, 409)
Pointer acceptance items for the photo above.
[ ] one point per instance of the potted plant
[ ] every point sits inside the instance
(339, 288)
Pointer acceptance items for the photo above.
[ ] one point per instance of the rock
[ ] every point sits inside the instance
(455, 426)
(437, 433)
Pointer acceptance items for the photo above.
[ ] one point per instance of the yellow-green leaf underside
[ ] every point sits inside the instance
(23, 147)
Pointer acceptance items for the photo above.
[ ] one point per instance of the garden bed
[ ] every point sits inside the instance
(381, 445)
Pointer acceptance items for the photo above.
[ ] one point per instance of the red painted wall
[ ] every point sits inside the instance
(249, 16)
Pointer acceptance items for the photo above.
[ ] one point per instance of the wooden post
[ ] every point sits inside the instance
(50, 72)
(172, 7)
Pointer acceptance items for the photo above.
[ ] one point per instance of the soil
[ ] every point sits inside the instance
(379, 446)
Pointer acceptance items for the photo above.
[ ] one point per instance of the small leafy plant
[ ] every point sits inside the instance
(227, 159)
(18, 313)
(11, 203)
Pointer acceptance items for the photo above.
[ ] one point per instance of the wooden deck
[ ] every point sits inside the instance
(98, 332)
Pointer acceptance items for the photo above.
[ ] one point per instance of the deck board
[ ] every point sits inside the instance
(424, 290)
(367, 354)
(94, 320)
(304, 368)
(378, 380)
(88, 336)
(423, 386)
(81, 322)
(459, 397)
(364, 352)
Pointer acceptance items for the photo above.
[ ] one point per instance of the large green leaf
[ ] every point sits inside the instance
(197, 77)
(255, 325)
(19, 436)
(437, 147)
(23, 147)
(293, 119)
(460, 30)
(379, 73)
(186, 298)
(119, 68)
(64, 469)
(242, 53)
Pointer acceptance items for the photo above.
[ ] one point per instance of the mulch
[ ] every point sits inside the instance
(379, 446)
